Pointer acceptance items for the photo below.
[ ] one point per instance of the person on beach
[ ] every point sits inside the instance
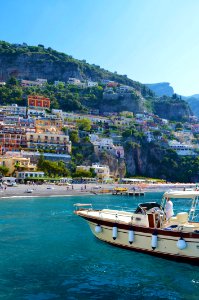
(168, 209)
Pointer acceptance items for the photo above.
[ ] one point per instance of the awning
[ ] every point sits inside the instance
(181, 194)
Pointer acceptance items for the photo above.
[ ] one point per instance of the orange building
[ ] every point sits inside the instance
(12, 141)
(38, 101)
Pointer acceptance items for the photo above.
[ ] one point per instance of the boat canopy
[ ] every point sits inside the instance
(181, 194)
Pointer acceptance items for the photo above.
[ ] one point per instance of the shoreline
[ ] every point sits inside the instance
(47, 190)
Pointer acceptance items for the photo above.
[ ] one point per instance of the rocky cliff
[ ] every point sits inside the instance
(150, 160)
(172, 109)
(32, 62)
(125, 102)
(161, 89)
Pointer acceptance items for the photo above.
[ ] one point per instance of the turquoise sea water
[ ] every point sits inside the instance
(49, 253)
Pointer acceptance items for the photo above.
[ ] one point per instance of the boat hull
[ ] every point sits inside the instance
(166, 241)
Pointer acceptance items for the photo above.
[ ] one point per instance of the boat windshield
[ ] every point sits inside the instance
(146, 206)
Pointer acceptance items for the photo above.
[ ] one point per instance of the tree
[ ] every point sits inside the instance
(12, 81)
(179, 126)
(52, 168)
(127, 133)
(84, 124)
(157, 133)
(74, 136)
(82, 173)
(3, 170)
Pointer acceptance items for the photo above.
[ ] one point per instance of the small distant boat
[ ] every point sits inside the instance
(147, 230)
(29, 191)
(119, 191)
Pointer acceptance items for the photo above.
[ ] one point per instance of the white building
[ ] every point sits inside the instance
(14, 109)
(94, 119)
(103, 143)
(41, 80)
(36, 112)
(91, 83)
(102, 171)
(26, 174)
(181, 148)
(106, 144)
(149, 136)
(124, 89)
(74, 81)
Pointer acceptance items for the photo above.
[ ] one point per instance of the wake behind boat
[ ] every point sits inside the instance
(147, 229)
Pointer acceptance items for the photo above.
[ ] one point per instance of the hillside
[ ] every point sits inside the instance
(193, 102)
(164, 89)
(32, 62)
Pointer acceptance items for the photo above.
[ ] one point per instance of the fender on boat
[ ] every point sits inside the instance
(98, 228)
(131, 235)
(181, 244)
(154, 240)
(114, 232)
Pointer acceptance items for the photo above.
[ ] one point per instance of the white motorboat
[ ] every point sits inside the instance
(147, 230)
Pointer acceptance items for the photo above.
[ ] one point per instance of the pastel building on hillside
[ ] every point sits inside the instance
(93, 118)
(38, 101)
(106, 144)
(49, 124)
(181, 148)
(16, 163)
(48, 135)
(12, 141)
(77, 82)
(35, 155)
(102, 171)
(37, 82)
(91, 83)
(121, 121)
(14, 109)
(60, 143)
(112, 84)
(74, 81)
(36, 112)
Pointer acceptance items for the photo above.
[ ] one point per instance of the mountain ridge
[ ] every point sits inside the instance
(164, 89)
(32, 62)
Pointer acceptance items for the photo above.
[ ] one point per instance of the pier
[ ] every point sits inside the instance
(126, 192)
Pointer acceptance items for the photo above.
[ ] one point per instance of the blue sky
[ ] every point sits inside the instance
(149, 40)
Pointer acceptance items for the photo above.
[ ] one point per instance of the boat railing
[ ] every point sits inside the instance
(121, 208)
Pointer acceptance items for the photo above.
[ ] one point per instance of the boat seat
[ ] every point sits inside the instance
(173, 219)
(182, 217)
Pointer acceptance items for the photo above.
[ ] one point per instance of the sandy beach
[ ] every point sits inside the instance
(49, 190)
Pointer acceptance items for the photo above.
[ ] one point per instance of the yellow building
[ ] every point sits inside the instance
(16, 164)
(49, 124)
(46, 140)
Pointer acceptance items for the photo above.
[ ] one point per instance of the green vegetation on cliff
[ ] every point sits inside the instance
(151, 160)
(32, 62)
(66, 65)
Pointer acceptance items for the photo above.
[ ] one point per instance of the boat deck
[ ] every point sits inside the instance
(176, 223)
